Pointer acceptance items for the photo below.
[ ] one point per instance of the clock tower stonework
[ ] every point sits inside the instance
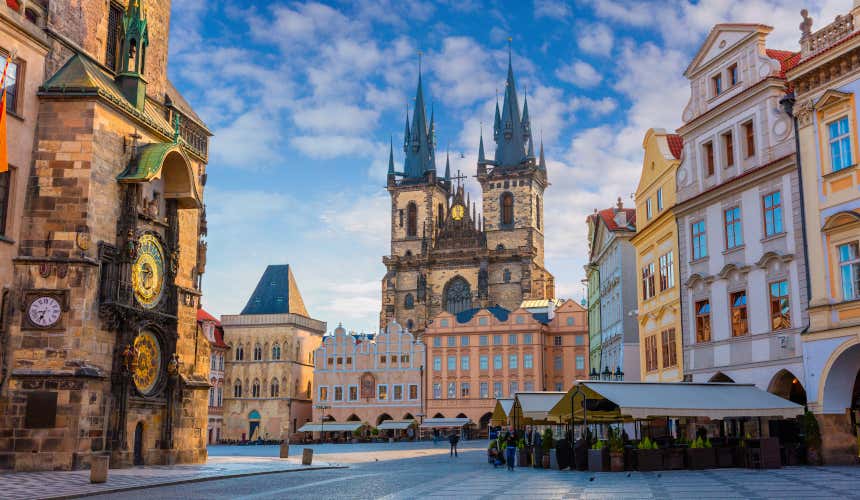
(444, 255)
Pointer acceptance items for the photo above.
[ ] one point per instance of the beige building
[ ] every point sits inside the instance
(480, 355)
(269, 374)
(369, 379)
(211, 329)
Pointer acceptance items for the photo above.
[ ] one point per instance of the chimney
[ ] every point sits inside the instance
(620, 214)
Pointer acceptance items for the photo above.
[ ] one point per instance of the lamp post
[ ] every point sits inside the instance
(584, 410)
(619, 375)
(606, 374)
(594, 375)
(322, 419)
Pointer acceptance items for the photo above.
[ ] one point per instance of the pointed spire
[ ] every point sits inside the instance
(447, 166)
(512, 142)
(542, 160)
(531, 152)
(391, 157)
(406, 138)
(481, 158)
(420, 155)
(526, 123)
(497, 120)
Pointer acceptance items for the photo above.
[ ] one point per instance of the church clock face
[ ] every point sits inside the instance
(457, 212)
(44, 312)
(148, 366)
(147, 273)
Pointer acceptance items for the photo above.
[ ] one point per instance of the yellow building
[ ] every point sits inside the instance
(826, 81)
(656, 243)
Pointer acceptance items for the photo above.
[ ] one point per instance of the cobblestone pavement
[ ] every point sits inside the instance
(410, 470)
(66, 484)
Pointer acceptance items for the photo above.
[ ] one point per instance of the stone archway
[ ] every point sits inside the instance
(840, 406)
(485, 420)
(785, 385)
(721, 377)
(383, 418)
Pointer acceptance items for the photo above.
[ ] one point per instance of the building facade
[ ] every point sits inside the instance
(479, 355)
(613, 259)
(269, 375)
(826, 82)
(211, 329)
(743, 274)
(101, 351)
(369, 379)
(656, 243)
(592, 282)
(443, 256)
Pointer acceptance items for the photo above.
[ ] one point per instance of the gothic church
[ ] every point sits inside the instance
(446, 257)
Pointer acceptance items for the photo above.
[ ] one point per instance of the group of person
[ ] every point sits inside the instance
(507, 443)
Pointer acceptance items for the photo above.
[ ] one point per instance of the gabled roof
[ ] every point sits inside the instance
(739, 32)
(608, 217)
(786, 58)
(676, 145)
(276, 293)
(202, 315)
(218, 332)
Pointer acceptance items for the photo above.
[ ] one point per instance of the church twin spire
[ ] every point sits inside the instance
(512, 131)
(419, 139)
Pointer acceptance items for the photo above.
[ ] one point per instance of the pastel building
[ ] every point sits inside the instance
(369, 379)
(656, 243)
(743, 273)
(826, 83)
(479, 355)
(210, 329)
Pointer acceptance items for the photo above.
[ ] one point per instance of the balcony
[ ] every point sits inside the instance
(826, 37)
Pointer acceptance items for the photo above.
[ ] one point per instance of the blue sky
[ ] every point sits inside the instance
(303, 97)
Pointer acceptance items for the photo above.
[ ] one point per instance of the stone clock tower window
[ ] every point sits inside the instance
(412, 220)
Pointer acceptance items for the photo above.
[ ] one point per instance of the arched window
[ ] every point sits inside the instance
(507, 209)
(309, 390)
(237, 389)
(507, 275)
(412, 219)
(220, 396)
(258, 353)
(440, 220)
(221, 362)
(255, 389)
(240, 352)
(276, 352)
(298, 352)
(538, 210)
(211, 396)
(409, 301)
(458, 295)
(275, 388)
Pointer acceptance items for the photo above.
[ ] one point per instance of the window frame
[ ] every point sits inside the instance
(728, 139)
(507, 212)
(734, 75)
(709, 160)
(670, 354)
(736, 225)
(704, 329)
(649, 211)
(773, 214)
(749, 138)
(739, 314)
(840, 140)
(698, 240)
(716, 84)
(851, 264)
(776, 302)
(659, 199)
(13, 105)
(651, 362)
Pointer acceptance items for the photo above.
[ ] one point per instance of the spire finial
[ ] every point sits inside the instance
(420, 53)
(510, 49)
(391, 157)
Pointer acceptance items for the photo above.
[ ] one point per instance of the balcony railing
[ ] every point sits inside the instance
(827, 36)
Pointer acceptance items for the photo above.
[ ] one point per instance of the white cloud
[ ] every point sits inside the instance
(336, 118)
(596, 39)
(327, 146)
(579, 73)
(597, 107)
(251, 141)
(556, 9)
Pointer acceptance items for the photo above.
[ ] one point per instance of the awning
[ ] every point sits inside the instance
(502, 410)
(331, 427)
(534, 407)
(614, 401)
(395, 424)
(430, 423)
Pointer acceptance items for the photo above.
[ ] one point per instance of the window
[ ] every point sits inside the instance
(11, 84)
(849, 268)
(648, 210)
(114, 34)
(497, 362)
(733, 74)
(338, 393)
(258, 353)
(772, 214)
(220, 396)
(437, 341)
(507, 209)
(412, 220)
(464, 363)
(483, 340)
(729, 148)
(528, 361)
(497, 389)
(40, 411)
(667, 271)
(255, 389)
(734, 233)
(240, 353)
(709, 158)
(700, 240)
(452, 363)
(506, 277)
(513, 388)
(703, 321)
(485, 390)
(659, 199)
(452, 341)
(464, 340)
(570, 321)
(749, 135)
(528, 386)
(353, 393)
(520, 319)
(670, 356)
(538, 211)
(580, 362)
(557, 341)
(512, 339)
(398, 392)
(413, 391)
(717, 84)
(651, 353)
(484, 362)
(437, 391)
(464, 390)
(452, 390)
(276, 352)
(437, 364)
(559, 387)
(409, 301)
(738, 302)
(648, 281)
(527, 339)
(780, 310)
(512, 361)
(382, 360)
(323, 393)
(497, 340)
(840, 144)
(580, 340)
(558, 363)
(382, 392)
(483, 321)
(211, 396)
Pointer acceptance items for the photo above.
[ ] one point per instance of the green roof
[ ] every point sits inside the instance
(148, 162)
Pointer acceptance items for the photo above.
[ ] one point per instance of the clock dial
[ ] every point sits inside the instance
(147, 273)
(148, 366)
(458, 211)
(45, 311)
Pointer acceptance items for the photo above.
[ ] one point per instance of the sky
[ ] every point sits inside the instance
(304, 97)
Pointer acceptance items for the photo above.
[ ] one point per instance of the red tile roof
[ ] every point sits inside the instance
(676, 144)
(202, 315)
(219, 337)
(787, 59)
(608, 216)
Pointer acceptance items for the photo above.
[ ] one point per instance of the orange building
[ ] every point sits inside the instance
(479, 355)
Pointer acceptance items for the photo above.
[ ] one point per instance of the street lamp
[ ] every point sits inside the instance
(594, 375)
(573, 412)
(322, 420)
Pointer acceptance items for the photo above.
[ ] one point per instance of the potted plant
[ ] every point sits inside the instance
(548, 444)
(616, 451)
(522, 454)
(375, 433)
(648, 455)
(700, 454)
(811, 438)
(598, 457)
(580, 451)
(674, 457)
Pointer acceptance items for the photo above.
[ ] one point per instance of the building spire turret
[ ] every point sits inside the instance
(481, 158)
(511, 144)
(391, 157)
(542, 160)
(420, 137)
(447, 166)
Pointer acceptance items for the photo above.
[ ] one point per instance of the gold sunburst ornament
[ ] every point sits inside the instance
(148, 365)
(147, 273)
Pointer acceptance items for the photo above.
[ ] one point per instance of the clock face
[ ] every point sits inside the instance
(148, 362)
(44, 311)
(458, 211)
(147, 273)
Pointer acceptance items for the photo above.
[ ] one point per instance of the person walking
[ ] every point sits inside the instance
(435, 436)
(510, 450)
(453, 439)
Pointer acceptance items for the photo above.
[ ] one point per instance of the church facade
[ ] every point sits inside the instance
(446, 257)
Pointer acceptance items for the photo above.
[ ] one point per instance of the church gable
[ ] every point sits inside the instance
(721, 39)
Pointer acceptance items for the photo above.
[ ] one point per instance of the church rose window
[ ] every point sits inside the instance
(458, 296)
(507, 209)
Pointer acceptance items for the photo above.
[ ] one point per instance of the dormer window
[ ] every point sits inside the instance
(733, 74)
(717, 84)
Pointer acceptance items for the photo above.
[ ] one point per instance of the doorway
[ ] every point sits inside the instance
(138, 444)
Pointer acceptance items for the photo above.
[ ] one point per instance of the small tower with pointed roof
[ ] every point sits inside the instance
(135, 41)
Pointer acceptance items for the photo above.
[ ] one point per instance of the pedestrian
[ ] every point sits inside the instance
(510, 450)
(453, 439)
(435, 436)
